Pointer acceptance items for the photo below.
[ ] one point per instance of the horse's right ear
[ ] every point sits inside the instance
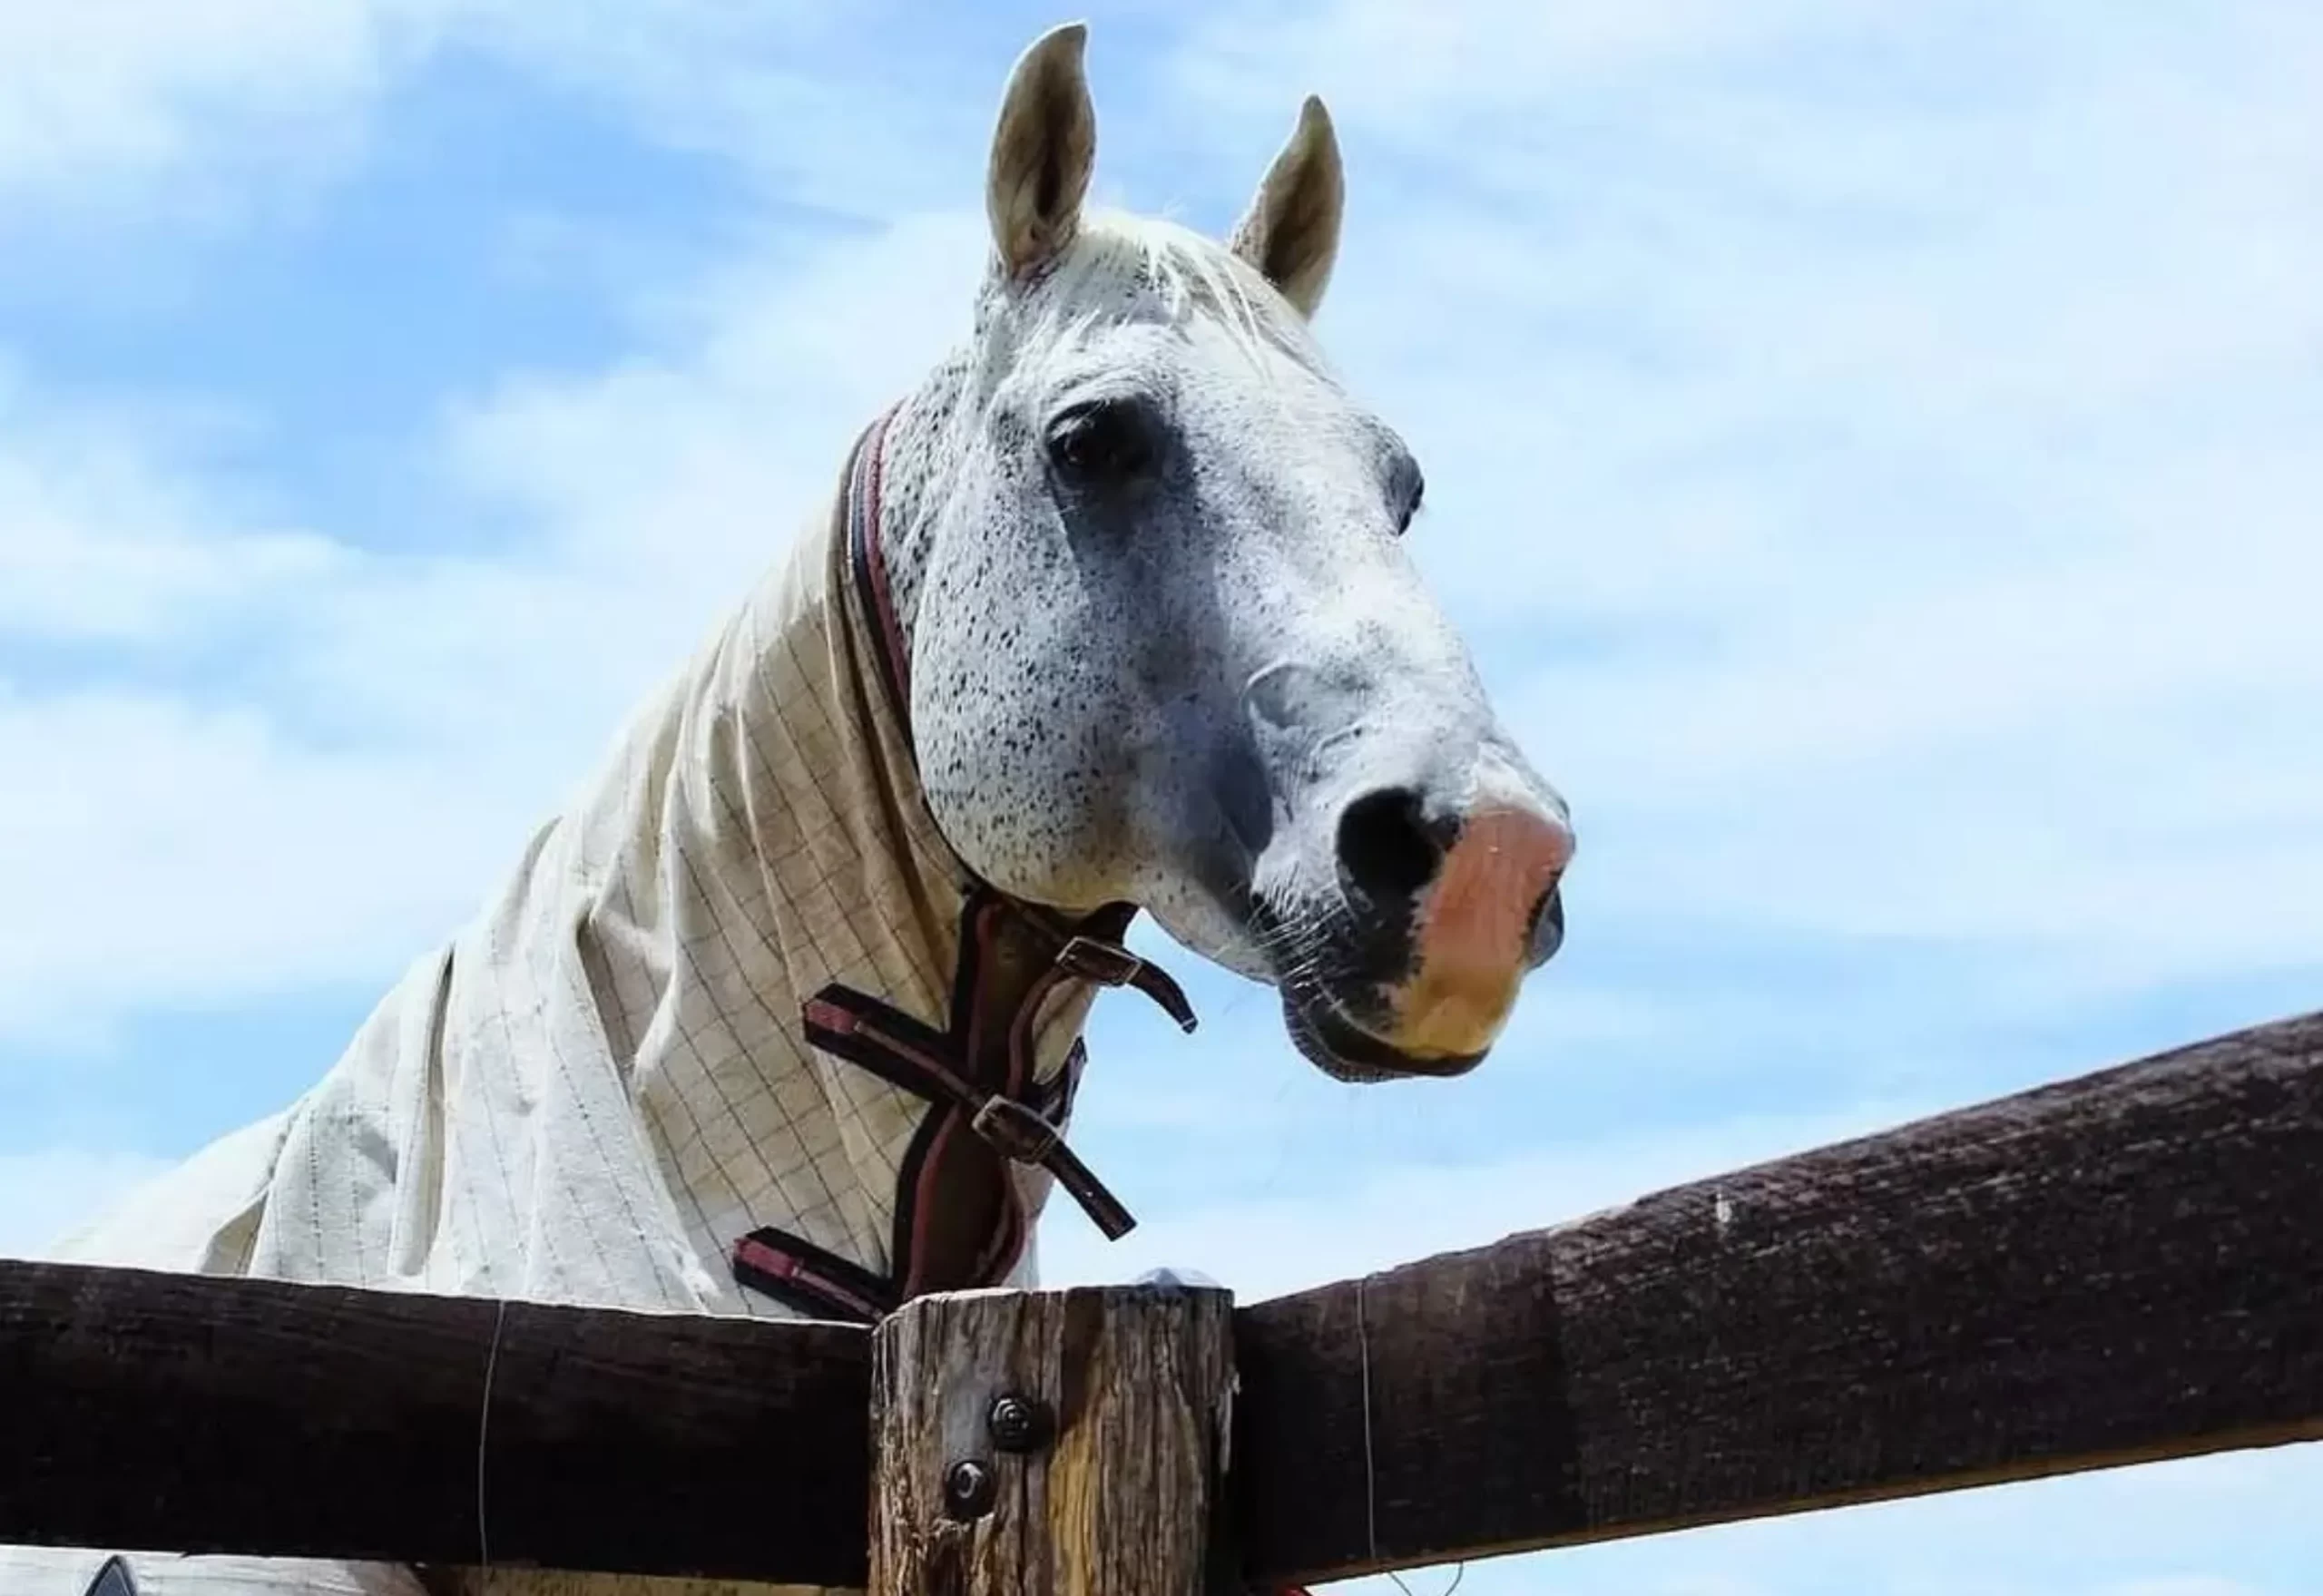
(1041, 152)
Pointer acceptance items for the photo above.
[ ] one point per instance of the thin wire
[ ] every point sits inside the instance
(1459, 1572)
(483, 1430)
(1370, 1467)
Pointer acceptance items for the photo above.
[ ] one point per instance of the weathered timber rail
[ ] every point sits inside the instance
(2114, 1269)
(2120, 1268)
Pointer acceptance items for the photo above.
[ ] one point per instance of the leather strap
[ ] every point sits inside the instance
(958, 1220)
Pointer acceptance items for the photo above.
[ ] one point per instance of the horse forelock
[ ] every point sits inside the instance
(1121, 267)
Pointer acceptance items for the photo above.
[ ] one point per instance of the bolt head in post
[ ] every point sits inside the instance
(970, 1489)
(1018, 1424)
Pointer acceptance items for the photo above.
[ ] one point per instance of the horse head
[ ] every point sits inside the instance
(1167, 645)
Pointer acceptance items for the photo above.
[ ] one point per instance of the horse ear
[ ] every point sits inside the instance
(1290, 233)
(1041, 152)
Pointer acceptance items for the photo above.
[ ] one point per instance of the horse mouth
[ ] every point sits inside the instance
(1345, 1050)
(1324, 1030)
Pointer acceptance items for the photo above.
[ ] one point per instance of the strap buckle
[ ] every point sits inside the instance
(1017, 1131)
(1114, 965)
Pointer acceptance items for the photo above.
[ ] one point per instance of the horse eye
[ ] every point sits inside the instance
(1104, 442)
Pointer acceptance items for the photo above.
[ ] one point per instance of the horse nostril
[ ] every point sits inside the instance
(1385, 846)
(1547, 933)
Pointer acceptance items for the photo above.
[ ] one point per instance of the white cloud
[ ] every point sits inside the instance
(45, 1195)
(282, 769)
(1379, 1217)
(164, 853)
(106, 546)
(101, 93)
(1406, 67)
(168, 109)
(1910, 417)
(1907, 417)
(332, 809)
(857, 108)
(1935, 500)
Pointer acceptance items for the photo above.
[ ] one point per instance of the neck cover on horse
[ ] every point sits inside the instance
(739, 1034)
(959, 1218)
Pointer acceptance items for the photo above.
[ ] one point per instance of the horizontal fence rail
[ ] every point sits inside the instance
(172, 1412)
(2114, 1269)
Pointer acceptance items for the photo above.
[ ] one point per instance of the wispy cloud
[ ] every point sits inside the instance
(1377, 1217)
(99, 100)
(219, 835)
(1902, 417)
(44, 1195)
(1872, 449)
(108, 546)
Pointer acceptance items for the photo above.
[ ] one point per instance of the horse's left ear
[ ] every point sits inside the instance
(1290, 233)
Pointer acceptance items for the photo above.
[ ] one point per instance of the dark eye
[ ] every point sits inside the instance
(1104, 444)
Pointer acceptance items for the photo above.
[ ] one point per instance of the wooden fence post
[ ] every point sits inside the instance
(1065, 1443)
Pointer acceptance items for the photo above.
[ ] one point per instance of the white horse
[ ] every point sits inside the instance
(781, 1017)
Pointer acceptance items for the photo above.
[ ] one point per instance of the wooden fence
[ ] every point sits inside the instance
(2119, 1268)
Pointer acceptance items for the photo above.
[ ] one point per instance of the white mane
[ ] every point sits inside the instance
(1120, 265)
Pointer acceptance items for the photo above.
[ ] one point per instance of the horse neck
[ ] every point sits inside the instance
(917, 441)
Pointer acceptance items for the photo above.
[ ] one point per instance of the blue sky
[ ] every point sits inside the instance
(1870, 447)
